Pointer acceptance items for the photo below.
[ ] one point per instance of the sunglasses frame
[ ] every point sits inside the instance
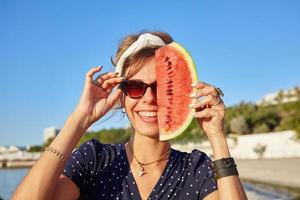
(125, 91)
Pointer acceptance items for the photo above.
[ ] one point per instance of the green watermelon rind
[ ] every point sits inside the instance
(192, 67)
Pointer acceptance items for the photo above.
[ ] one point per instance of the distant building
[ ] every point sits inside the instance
(50, 132)
(3, 149)
(280, 96)
(13, 149)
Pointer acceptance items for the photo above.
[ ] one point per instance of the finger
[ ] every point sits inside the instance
(199, 85)
(207, 90)
(211, 100)
(109, 75)
(102, 77)
(208, 112)
(91, 72)
(111, 82)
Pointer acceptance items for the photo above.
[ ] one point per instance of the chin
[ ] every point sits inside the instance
(146, 126)
(148, 132)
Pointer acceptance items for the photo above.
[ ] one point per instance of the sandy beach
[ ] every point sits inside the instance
(283, 172)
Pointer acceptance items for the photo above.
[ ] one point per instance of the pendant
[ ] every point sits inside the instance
(141, 170)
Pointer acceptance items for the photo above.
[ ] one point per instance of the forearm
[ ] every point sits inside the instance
(229, 187)
(42, 178)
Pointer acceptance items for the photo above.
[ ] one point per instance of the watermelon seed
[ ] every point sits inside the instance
(169, 81)
(169, 68)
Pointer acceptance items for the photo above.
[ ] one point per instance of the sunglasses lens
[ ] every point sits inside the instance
(134, 89)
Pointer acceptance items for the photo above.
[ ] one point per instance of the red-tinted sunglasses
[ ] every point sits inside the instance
(136, 89)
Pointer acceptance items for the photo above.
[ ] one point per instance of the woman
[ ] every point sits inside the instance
(143, 167)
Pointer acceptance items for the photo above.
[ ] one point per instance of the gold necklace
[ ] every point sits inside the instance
(141, 168)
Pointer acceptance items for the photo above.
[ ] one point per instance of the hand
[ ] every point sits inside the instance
(209, 110)
(96, 99)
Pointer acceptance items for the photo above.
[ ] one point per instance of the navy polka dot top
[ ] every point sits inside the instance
(101, 171)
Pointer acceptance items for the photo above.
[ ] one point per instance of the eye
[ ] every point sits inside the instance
(134, 85)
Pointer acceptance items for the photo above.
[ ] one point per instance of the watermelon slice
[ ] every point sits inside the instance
(175, 71)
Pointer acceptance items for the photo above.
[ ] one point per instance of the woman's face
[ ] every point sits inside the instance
(142, 112)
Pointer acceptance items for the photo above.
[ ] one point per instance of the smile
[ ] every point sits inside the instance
(148, 116)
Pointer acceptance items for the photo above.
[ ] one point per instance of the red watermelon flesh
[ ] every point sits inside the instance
(175, 71)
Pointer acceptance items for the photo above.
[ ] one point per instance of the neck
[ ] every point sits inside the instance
(147, 149)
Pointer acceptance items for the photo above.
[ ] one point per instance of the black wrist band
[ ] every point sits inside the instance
(223, 172)
(223, 163)
(224, 167)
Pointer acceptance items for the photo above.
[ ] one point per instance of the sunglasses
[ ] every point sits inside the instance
(136, 89)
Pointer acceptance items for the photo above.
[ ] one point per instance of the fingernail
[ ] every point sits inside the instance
(100, 67)
(193, 95)
(121, 77)
(193, 84)
(191, 105)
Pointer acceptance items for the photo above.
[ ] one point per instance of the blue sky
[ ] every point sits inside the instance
(247, 48)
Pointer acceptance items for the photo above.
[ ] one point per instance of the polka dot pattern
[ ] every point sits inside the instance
(101, 171)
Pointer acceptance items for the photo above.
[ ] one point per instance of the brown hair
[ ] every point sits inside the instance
(134, 62)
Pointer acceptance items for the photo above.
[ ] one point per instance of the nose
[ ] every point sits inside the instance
(150, 95)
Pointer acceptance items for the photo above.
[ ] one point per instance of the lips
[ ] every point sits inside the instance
(148, 116)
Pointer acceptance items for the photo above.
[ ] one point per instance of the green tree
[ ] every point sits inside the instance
(239, 125)
(36, 148)
(297, 92)
(192, 133)
(280, 97)
(48, 142)
(266, 119)
(247, 110)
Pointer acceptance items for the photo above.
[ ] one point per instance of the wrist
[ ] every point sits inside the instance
(219, 147)
(81, 120)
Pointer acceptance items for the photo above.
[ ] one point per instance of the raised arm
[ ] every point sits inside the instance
(44, 179)
(210, 112)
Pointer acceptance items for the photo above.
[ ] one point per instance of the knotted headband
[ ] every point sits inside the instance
(144, 40)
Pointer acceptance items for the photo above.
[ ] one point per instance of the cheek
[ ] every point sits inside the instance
(129, 105)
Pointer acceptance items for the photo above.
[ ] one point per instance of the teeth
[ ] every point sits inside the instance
(148, 114)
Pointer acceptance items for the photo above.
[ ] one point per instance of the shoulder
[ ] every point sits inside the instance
(196, 159)
(92, 143)
(95, 144)
(195, 155)
(94, 149)
(199, 156)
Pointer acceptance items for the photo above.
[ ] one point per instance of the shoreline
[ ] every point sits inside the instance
(288, 189)
(278, 172)
(259, 190)
(17, 164)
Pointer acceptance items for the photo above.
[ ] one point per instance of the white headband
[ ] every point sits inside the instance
(144, 40)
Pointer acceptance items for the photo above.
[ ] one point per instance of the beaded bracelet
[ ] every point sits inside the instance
(56, 153)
